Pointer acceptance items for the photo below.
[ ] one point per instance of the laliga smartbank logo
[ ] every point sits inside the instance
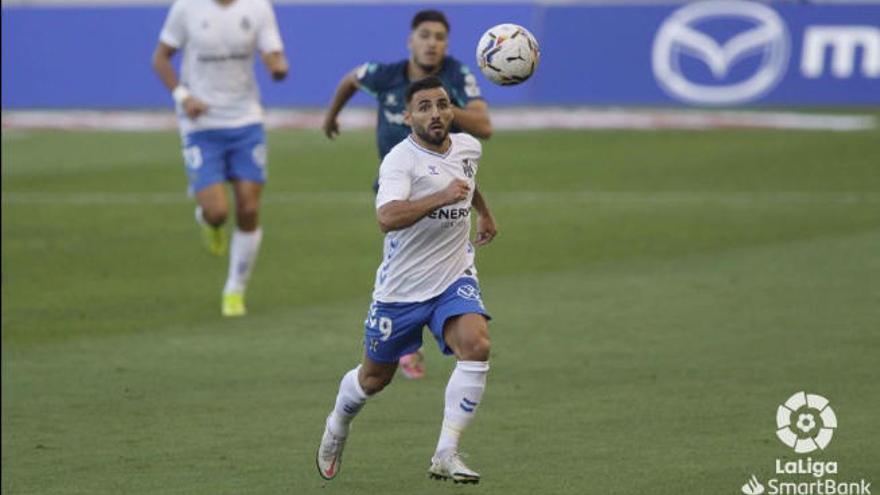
(805, 423)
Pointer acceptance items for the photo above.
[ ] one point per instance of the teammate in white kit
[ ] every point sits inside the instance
(427, 187)
(221, 119)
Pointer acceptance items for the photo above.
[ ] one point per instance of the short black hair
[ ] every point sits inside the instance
(429, 15)
(424, 83)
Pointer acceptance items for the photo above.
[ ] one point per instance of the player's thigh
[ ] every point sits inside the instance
(213, 200)
(468, 336)
(392, 330)
(247, 196)
(247, 156)
(204, 160)
(459, 320)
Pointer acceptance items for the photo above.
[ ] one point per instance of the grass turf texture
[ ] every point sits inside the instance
(655, 294)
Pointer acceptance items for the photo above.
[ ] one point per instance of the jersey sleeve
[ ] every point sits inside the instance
(474, 144)
(373, 77)
(395, 179)
(269, 37)
(174, 30)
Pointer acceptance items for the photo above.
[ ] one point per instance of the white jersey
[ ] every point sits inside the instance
(422, 260)
(218, 43)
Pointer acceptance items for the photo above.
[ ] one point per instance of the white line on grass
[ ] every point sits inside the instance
(507, 197)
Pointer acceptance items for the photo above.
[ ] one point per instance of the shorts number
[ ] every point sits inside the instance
(192, 156)
(259, 155)
(385, 327)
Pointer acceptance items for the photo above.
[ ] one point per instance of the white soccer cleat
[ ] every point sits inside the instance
(452, 467)
(329, 455)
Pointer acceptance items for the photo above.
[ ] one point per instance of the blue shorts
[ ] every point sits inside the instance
(393, 330)
(220, 155)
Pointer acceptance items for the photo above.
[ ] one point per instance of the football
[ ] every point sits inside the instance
(508, 54)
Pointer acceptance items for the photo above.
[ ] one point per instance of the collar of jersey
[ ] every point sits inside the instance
(420, 148)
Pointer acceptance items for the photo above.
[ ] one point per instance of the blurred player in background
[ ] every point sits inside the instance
(427, 44)
(427, 186)
(221, 119)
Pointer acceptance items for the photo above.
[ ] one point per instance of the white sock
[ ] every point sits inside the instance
(243, 250)
(463, 394)
(200, 216)
(349, 401)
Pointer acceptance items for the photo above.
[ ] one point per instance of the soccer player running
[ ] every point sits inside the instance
(221, 119)
(427, 186)
(427, 44)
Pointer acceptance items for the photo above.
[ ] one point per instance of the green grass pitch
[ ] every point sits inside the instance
(656, 295)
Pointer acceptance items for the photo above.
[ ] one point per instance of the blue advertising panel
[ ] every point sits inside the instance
(723, 52)
(707, 53)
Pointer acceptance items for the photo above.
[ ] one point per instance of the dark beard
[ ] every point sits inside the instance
(426, 136)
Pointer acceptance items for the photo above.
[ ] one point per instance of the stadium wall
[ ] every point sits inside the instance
(711, 53)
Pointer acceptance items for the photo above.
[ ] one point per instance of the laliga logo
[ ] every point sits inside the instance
(805, 422)
(680, 36)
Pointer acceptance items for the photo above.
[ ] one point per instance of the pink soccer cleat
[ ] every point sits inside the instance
(413, 365)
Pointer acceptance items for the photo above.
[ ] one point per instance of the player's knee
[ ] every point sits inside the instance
(215, 214)
(247, 214)
(476, 349)
(373, 384)
(248, 208)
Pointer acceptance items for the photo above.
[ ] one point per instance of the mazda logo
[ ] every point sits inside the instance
(685, 34)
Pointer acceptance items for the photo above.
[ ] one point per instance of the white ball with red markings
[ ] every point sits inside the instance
(508, 54)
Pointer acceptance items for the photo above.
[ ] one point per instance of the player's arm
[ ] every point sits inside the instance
(162, 65)
(486, 227)
(474, 118)
(346, 88)
(277, 64)
(400, 214)
(270, 44)
(163, 68)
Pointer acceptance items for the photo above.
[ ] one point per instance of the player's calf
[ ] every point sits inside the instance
(373, 376)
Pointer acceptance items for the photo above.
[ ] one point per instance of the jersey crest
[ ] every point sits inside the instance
(468, 168)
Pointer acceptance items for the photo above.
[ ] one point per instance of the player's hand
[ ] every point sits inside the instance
(277, 64)
(456, 191)
(486, 230)
(330, 127)
(193, 107)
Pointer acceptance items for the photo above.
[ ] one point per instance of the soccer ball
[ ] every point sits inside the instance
(508, 54)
